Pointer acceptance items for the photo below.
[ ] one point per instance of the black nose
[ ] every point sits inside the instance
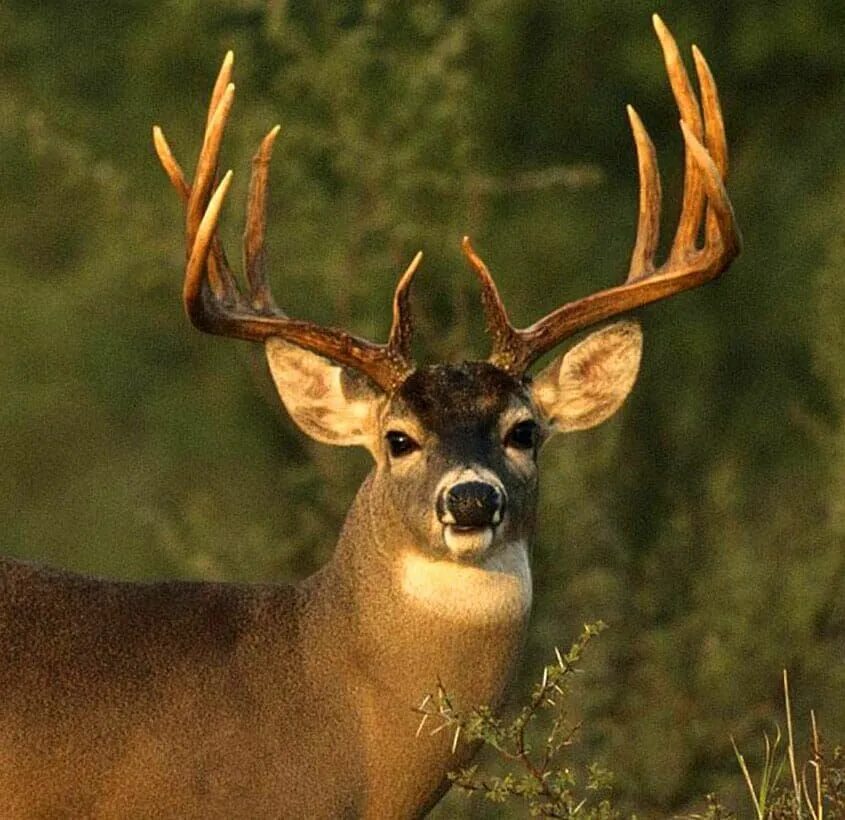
(471, 504)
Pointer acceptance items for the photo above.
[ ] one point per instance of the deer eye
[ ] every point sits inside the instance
(400, 444)
(523, 435)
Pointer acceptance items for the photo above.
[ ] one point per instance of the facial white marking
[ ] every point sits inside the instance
(474, 472)
(467, 543)
(495, 589)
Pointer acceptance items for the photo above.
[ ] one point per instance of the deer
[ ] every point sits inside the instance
(191, 699)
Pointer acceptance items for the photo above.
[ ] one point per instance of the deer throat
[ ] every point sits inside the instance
(496, 588)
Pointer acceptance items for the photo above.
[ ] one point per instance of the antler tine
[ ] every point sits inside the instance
(729, 241)
(211, 297)
(220, 277)
(192, 287)
(648, 223)
(223, 81)
(207, 163)
(402, 326)
(503, 333)
(170, 165)
(714, 126)
(255, 258)
(686, 267)
(693, 201)
(198, 202)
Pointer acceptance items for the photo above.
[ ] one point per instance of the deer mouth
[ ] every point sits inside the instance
(466, 543)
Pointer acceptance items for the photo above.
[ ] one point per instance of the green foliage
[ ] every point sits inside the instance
(814, 789)
(772, 769)
(786, 788)
(540, 738)
(714, 810)
(535, 740)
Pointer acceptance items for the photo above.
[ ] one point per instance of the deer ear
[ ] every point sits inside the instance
(588, 383)
(329, 402)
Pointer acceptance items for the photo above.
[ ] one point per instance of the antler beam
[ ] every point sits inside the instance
(212, 298)
(687, 265)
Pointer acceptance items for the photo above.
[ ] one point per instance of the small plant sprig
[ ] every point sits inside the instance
(813, 791)
(548, 787)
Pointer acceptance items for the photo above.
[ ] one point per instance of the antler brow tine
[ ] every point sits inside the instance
(687, 266)
(401, 329)
(505, 343)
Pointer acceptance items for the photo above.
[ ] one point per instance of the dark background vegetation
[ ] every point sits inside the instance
(705, 522)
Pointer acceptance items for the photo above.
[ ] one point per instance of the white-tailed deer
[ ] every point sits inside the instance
(211, 700)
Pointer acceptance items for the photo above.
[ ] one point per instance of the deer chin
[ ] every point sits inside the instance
(467, 543)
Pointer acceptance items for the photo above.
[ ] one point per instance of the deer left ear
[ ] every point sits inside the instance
(589, 383)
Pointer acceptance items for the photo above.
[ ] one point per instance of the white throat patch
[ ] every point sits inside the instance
(497, 588)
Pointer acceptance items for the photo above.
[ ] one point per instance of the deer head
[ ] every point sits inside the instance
(455, 445)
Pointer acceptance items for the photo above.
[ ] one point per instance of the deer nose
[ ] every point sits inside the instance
(471, 504)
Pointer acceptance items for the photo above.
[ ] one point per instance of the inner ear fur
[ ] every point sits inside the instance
(589, 383)
(331, 403)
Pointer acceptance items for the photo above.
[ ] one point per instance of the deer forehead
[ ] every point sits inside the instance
(444, 398)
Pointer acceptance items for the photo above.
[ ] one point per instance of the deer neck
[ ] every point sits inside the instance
(407, 623)
(411, 619)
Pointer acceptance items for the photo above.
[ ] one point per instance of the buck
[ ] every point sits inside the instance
(188, 699)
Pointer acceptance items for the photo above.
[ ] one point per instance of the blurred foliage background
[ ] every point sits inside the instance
(705, 523)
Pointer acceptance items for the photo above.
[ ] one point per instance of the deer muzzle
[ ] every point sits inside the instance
(470, 511)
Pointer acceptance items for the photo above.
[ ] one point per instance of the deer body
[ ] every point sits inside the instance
(184, 700)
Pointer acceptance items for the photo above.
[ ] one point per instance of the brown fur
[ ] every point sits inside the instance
(221, 700)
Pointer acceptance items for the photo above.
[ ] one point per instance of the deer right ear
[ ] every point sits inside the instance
(329, 402)
(588, 383)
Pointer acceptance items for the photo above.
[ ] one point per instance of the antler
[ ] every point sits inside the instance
(687, 265)
(212, 298)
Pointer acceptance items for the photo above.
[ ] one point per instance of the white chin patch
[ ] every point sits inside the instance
(466, 543)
